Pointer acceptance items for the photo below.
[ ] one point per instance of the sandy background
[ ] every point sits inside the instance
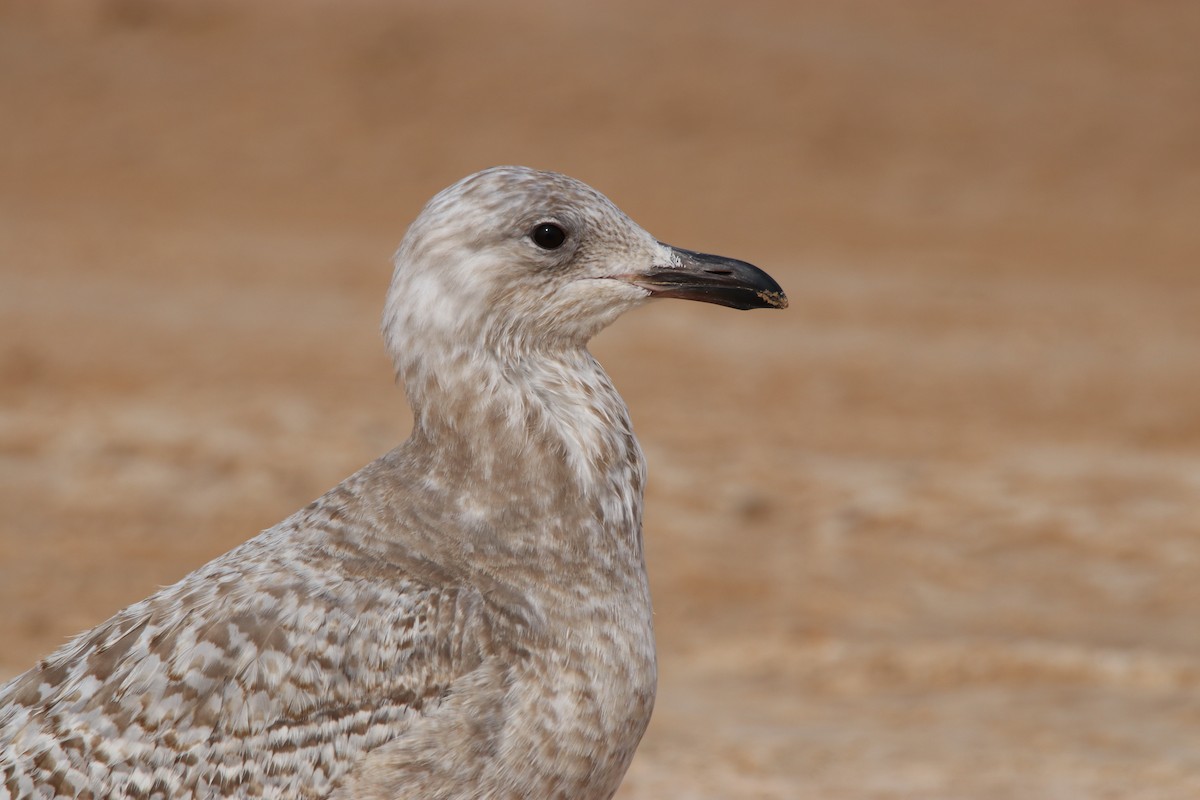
(933, 532)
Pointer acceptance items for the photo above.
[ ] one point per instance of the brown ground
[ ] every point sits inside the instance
(934, 532)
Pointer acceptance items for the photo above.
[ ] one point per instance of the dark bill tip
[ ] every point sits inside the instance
(713, 279)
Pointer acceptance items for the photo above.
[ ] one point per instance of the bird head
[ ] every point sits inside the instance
(512, 261)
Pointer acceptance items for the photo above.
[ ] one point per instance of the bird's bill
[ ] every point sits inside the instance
(712, 279)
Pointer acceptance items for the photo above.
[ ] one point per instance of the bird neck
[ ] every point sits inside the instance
(532, 460)
(542, 411)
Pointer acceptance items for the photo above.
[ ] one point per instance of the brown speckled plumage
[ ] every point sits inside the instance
(468, 616)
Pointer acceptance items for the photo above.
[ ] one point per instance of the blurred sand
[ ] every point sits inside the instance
(934, 532)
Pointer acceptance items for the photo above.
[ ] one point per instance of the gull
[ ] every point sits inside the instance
(466, 617)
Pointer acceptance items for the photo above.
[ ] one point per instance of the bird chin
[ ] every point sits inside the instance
(621, 289)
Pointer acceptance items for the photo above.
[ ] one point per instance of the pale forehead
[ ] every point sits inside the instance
(506, 195)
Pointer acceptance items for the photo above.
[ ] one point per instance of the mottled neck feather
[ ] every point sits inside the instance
(535, 412)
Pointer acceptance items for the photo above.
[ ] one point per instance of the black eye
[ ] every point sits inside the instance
(548, 236)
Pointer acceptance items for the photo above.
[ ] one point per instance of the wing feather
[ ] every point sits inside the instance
(269, 672)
